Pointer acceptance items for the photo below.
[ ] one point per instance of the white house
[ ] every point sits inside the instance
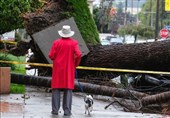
(8, 36)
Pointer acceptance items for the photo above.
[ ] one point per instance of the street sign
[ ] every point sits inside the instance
(164, 33)
(167, 27)
(167, 5)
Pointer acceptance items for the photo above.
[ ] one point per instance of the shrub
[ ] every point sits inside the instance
(5, 58)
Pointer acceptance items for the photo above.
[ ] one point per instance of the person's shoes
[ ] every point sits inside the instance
(68, 114)
(54, 113)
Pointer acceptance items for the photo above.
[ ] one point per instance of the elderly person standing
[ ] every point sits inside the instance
(66, 56)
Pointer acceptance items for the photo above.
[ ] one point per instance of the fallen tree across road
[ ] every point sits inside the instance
(88, 88)
(132, 101)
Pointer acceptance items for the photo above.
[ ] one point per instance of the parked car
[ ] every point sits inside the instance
(110, 37)
(116, 41)
(105, 42)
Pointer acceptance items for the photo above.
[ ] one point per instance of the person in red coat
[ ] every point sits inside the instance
(66, 56)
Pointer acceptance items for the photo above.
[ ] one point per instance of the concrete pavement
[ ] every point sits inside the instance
(37, 104)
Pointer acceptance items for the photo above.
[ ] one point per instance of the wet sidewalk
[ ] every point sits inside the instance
(37, 104)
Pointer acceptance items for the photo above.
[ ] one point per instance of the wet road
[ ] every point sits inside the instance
(37, 104)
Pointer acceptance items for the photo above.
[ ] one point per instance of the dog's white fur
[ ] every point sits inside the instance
(88, 99)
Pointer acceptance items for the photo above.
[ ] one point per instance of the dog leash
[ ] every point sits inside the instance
(80, 86)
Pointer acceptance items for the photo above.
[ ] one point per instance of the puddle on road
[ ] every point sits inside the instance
(11, 107)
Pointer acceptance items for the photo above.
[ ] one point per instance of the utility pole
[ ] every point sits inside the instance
(125, 19)
(131, 10)
(162, 14)
(150, 21)
(157, 20)
(138, 11)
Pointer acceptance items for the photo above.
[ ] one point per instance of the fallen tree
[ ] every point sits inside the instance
(130, 100)
(144, 56)
(87, 87)
(158, 103)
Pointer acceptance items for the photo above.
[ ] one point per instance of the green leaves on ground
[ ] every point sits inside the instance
(17, 88)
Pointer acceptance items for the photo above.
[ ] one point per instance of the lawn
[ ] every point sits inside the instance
(16, 88)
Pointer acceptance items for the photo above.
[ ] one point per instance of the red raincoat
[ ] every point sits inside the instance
(66, 56)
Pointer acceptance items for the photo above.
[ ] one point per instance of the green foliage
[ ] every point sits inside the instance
(19, 68)
(95, 14)
(84, 20)
(17, 88)
(14, 88)
(11, 11)
(6, 58)
(145, 13)
(135, 30)
(126, 29)
(17, 37)
(146, 31)
(148, 13)
(15, 68)
(1, 45)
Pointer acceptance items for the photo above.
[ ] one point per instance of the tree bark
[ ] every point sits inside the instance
(158, 103)
(146, 101)
(156, 99)
(143, 56)
(51, 13)
(86, 87)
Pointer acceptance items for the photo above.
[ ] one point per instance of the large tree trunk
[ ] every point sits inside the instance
(57, 10)
(146, 102)
(142, 56)
(86, 87)
(160, 98)
(158, 103)
(145, 56)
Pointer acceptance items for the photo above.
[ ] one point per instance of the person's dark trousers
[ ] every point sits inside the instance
(55, 101)
(67, 101)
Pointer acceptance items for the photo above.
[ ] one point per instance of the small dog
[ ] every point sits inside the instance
(88, 99)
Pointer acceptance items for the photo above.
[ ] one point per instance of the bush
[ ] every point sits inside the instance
(17, 88)
(17, 37)
(1, 45)
(5, 58)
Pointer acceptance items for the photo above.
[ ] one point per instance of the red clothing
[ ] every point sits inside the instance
(66, 56)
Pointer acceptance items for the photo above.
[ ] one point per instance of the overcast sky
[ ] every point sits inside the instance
(135, 2)
(96, 2)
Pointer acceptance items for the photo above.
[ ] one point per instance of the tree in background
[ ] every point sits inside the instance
(106, 20)
(148, 14)
(120, 13)
(146, 32)
(105, 17)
